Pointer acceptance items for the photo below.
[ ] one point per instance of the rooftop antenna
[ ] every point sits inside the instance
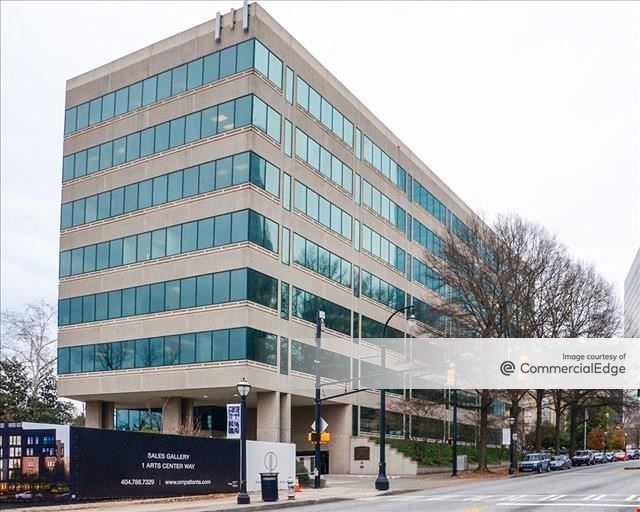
(218, 26)
(245, 15)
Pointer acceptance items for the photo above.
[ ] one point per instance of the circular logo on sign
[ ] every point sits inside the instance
(270, 461)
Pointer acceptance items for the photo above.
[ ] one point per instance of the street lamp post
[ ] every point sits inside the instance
(454, 435)
(382, 482)
(512, 451)
(243, 388)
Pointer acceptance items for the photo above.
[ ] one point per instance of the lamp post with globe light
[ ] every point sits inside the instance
(382, 482)
(244, 388)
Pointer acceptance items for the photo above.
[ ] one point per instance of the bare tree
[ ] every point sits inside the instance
(514, 279)
(30, 337)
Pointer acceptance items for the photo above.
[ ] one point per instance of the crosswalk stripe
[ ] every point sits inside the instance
(597, 498)
(512, 497)
(587, 498)
(632, 498)
(556, 498)
(549, 497)
(478, 498)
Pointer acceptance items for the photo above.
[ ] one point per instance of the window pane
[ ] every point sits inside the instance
(194, 74)
(115, 253)
(131, 198)
(220, 345)
(205, 233)
(142, 300)
(135, 96)
(158, 240)
(177, 132)
(119, 148)
(204, 286)
(245, 56)
(149, 90)
(226, 117)
(133, 146)
(207, 177)
(209, 122)
(192, 130)
(162, 137)
(188, 292)
(172, 295)
(156, 301)
(164, 85)
(239, 226)
(227, 62)
(179, 80)
(147, 141)
(203, 347)
(211, 68)
(108, 106)
(222, 230)
(174, 234)
(187, 348)
(243, 111)
(221, 287)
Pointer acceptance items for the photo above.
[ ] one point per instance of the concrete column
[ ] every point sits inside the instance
(339, 419)
(187, 415)
(108, 413)
(285, 417)
(93, 414)
(171, 414)
(268, 416)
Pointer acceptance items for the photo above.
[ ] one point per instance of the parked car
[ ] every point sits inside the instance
(537, 462)
(620, 455)
(600, 458)
(610, 456)
(29, 496)
(583, 458)
(634, 454)
(560, 462)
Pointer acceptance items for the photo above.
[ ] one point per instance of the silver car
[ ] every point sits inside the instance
(560, 462)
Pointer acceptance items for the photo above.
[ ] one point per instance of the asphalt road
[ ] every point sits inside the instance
(604, 487)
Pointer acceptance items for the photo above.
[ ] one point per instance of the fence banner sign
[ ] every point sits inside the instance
(233, 421)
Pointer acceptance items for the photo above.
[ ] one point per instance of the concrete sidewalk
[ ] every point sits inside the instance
(338, 488)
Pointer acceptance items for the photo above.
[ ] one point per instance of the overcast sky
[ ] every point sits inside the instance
(531, 108)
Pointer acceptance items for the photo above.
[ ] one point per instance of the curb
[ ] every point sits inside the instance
(313, 501)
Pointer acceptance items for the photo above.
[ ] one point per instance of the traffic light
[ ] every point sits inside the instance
(325, 437)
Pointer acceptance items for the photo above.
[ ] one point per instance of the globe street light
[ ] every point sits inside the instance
(382, 482)
(244, 388)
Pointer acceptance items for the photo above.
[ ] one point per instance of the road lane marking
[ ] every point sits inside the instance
(512, 497)
(476, 508)
(576, 505)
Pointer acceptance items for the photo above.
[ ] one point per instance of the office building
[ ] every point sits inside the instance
(219, 188)
(632, 300)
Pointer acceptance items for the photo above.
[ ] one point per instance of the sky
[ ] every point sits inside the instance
(527, 108)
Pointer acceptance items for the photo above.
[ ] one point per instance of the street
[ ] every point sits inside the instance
(600, 487)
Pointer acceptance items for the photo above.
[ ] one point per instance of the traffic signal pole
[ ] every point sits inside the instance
(317, 401)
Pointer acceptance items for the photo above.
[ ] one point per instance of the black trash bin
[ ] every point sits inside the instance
(269, 485)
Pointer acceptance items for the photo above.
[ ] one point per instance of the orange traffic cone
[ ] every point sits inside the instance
(297, 487)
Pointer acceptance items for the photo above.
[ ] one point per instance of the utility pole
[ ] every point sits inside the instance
(318, 401)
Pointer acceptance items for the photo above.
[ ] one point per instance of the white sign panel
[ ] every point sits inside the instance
(233, 421)
(264, 457)
(506, 436)
(323, 425)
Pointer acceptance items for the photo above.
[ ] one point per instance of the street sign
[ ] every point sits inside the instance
(323, 425)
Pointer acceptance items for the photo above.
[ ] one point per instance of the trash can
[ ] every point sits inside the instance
(269, 485)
